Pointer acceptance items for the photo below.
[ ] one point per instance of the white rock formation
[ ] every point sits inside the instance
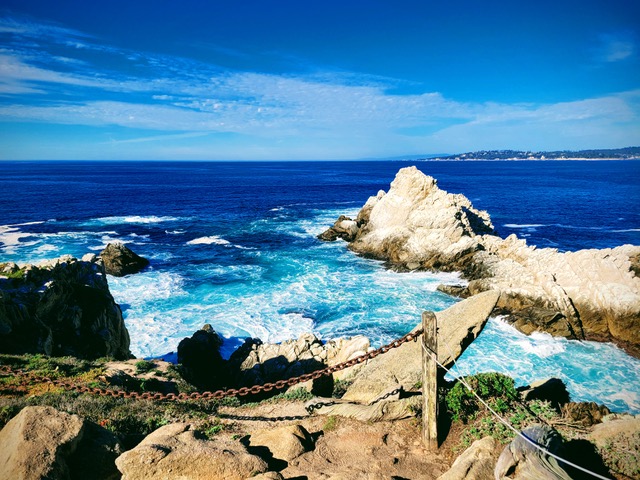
(585, 294)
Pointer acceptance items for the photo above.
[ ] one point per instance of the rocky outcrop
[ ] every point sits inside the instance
(584, 413)
(520, 460)
(475, 463)
(552, 390)
(593, 294)
(256, 363)
(41, 442)
(175, 451)
(401, 367)
(202, 364)
(282, 443)
(60, 307)
(120, 261)
(344, 228)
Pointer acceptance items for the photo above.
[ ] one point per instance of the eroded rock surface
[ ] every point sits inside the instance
(520, 460)
(458, 326)
(592, 294)
(41, 442)
(175, 451)
(120, 260)
(60, 307)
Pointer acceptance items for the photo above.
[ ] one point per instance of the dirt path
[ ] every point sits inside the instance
(344, 449)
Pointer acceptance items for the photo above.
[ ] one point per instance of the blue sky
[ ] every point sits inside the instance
(260, 79)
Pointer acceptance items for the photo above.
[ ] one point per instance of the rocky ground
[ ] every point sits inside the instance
(49, 432)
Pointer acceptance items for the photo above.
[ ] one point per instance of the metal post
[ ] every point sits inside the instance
(429, 381)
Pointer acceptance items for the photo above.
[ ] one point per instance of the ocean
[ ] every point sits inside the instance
(233, 244)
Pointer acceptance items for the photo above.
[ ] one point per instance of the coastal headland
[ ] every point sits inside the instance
(588, 294)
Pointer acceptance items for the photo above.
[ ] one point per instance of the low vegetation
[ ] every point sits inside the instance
(499, 392)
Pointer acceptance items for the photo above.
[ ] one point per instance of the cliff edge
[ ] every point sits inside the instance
(61, 307)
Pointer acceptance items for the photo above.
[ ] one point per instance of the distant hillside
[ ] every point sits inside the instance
(617, 153)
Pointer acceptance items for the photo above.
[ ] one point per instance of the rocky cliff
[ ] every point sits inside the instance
(592, 294)
(61, 307)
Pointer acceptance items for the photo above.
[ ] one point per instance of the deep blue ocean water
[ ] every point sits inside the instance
(234, 245)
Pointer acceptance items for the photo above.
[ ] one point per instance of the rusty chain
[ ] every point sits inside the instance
(218, 394)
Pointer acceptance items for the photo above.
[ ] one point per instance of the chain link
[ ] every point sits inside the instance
(218, 394)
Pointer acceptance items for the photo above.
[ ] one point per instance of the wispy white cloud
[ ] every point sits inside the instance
(616, 47)
(325, 114)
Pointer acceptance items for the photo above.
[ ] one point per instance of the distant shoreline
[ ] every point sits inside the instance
(441, 159)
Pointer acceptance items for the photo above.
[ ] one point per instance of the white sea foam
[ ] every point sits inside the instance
(584, 366)
(626, 230)
(525, 225)
(118, 220)
(45, 248)
(542, 345)
(11, 239)
(211, 240)
(175, 232)
(147, 286)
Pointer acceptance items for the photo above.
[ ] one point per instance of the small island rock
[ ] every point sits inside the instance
(120, 261)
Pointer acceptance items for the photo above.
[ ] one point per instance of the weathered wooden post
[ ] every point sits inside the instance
(429, 381)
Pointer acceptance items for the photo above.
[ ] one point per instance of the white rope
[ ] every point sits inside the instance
(505, 422)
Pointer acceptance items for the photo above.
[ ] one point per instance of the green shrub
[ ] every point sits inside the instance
(144, 366)
(496, 389)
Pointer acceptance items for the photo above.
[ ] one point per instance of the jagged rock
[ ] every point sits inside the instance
(174, 451)
(458, 326)
(475, 463)
(552, 390)
(527, 462)
(344, 228)
(461, 291)
(41, 442)
(592, 294)
(201, 360)
(62, 307)
(255, 363)
(584, 413)
(120, 260)
(284, 443)
(416, 222)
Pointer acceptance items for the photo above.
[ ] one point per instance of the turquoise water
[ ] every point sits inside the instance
(235, 246)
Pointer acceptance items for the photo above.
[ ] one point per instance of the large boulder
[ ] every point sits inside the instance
(120, 260)
(175, 451)
(401, 367)
(520, 460)
(593, 294)
(552, 390)
(256, 362)
(201, 360)
(61, 307)
(475, 463)
(41, 442)
(283, 443)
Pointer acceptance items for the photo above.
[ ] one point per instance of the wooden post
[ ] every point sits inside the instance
(429, 381)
